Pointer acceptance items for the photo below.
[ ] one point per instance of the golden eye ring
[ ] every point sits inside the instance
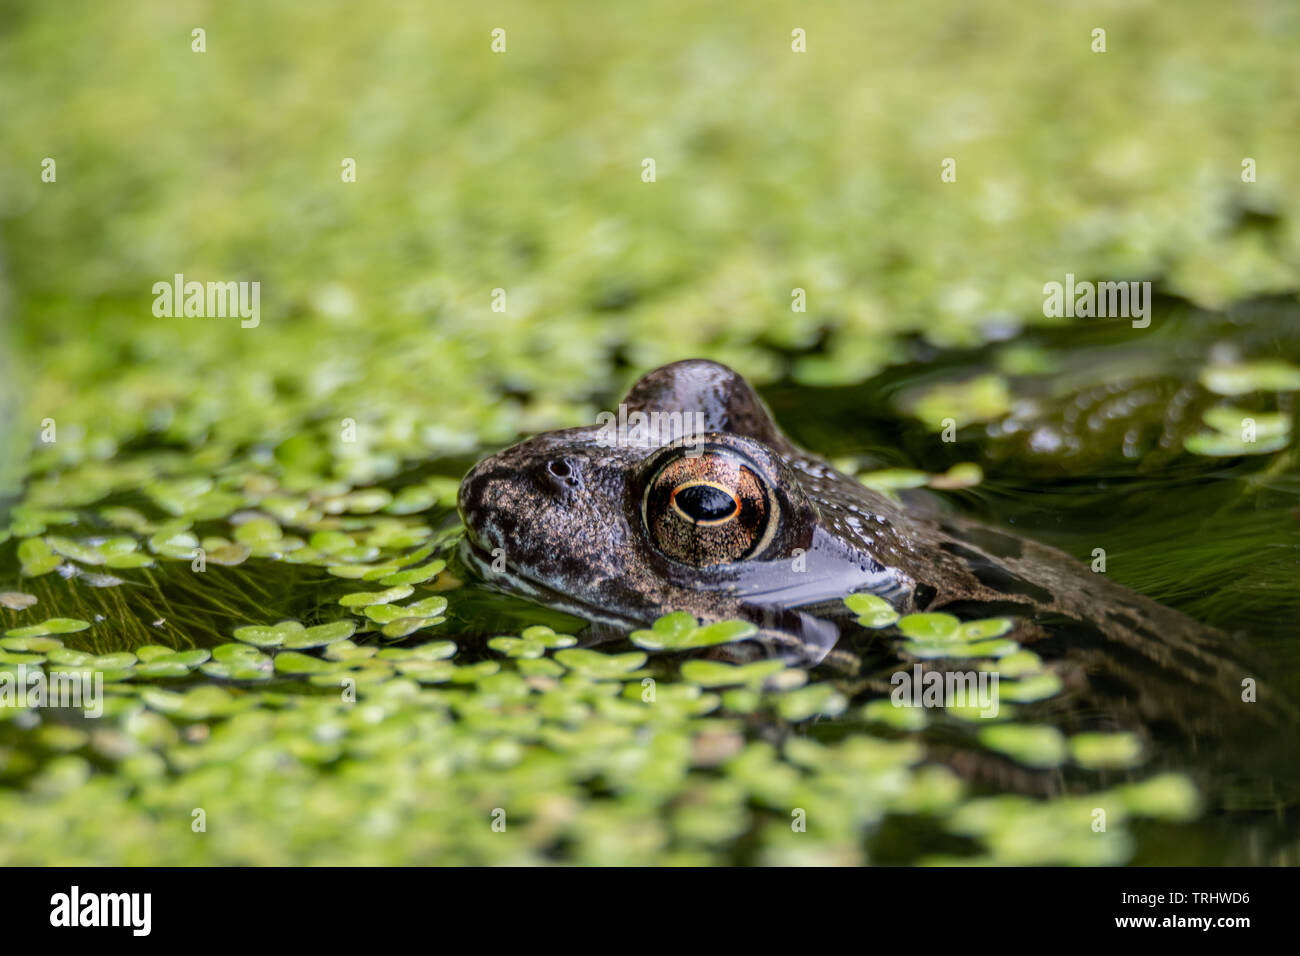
(688, 486)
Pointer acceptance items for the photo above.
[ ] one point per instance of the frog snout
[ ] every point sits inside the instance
(475, 501)
(521, 499)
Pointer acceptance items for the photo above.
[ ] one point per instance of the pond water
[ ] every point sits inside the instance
(406, 703)
(1215, 537)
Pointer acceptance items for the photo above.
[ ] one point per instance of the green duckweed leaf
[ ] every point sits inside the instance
(1019, 664)
(894, 479)
(53, 625)
(16, 657)
(228, 554)
(1032, 745)
(37, 557)
(1028, 689)
(517, 647)
(330, 542)
(1243, 377)
(980, 399)
(1219, 445)
(66, 657)
(229, 653)
(873, 611)
(958, 650)
(542, 667)
(599, 666)
(415, 575)
(268, 635)
(548, 637)
(293, 662)
(720, 674)
(964, 475)
(741, 701)
(405, 626)
(385, 613)
(130, 560)
(675, 635)
(320, 635)
(1236, 421)
(930, 627)
(113, 662)
(36, 645)
(433, 651)
(258, 532)
(347, 651)
(369, 598)
(354, 572)
(75, 550)
(1169, 796)
(885, 711)
(241, 670)
(469, 674)
(161, 669)
(191, 658)
(811, 701)
(1099, 751)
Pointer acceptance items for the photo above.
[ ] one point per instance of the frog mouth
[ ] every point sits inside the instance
(814, 637)
(482, 562)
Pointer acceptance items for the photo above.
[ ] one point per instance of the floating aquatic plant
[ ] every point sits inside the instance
(310, 466)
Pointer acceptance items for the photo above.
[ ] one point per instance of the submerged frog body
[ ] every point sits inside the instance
(709, 508)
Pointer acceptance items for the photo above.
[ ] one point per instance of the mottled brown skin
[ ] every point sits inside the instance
(566, 516)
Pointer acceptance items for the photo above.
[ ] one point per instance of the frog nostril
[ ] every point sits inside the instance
(561, 475)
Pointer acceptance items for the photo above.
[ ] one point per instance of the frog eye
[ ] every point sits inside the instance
(709, 509)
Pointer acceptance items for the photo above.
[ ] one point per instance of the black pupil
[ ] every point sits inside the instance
(705, 503)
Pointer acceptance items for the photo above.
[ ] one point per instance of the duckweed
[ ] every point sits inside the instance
(53, 625)
(1030, 745)
(276, 505)
(1237, 431)
(1241, 378)
(680, 631)
(1098, 751)
(872, 611)
(507, 717)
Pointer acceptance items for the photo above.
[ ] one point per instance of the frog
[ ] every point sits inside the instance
(697, 501)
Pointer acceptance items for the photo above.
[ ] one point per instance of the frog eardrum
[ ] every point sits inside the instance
(710, 506)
